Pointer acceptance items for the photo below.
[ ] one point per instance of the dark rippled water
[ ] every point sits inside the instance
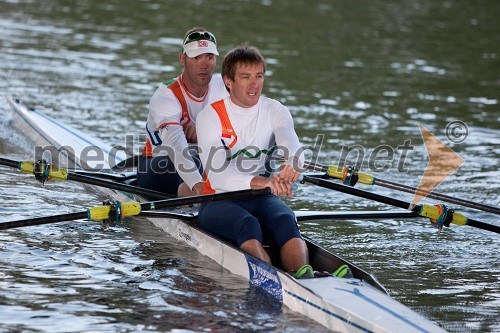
(359, 73)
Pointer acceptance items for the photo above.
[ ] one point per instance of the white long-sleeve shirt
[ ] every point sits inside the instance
(164, 127)
(257, 129)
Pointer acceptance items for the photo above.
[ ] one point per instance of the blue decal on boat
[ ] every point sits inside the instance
(265, 277)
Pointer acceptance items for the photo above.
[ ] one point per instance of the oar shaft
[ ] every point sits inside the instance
(395, 202)
(131, 208)
(484, 226)
(173, 215)
(437, 196)
(357, 192)
(356, 215)
(9, 163)
(316, 167)
(63, 174)
(43, 220)
(118, 186)
(203, 198)
(413, 190)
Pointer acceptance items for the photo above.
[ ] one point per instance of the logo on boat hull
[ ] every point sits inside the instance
(265, 277)
(186, 236)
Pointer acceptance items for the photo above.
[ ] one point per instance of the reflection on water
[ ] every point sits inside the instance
(360, 73)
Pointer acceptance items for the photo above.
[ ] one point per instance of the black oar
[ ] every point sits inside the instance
(117, 210)
(131, 162)
(352, 215)
(188, 217)
(117, 177)
(335, 172)
(442, 218)
(304, 215)
(43, 172)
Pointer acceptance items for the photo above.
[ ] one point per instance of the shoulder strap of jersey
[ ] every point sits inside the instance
(227, 128)
(176, 89)
(173, 85)
(227, 132)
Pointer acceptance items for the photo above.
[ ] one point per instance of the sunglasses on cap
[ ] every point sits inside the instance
(197, 35)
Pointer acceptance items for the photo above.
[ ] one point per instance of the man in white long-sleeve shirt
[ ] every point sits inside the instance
(167, 165)
(235, 135)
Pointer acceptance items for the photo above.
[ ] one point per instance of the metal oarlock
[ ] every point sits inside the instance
(115, 211)
(445, 216)
(350, 176)
(41, 170)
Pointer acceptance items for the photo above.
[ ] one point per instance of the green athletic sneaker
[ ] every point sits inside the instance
(304, 272)
(343, 272)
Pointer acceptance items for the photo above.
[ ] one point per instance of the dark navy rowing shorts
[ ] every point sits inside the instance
(158, 173)
(237, 221)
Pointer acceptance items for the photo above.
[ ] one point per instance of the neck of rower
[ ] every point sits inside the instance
(193, 88)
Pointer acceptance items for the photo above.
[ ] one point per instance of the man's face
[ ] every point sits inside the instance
(199, 69)
(247, 86)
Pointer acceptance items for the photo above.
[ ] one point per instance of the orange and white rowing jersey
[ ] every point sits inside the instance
(171, 109)
(234, 143)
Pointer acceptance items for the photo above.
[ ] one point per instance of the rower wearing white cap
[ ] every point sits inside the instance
(167, 165)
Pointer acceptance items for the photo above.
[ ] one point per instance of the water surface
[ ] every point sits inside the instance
(359, 73)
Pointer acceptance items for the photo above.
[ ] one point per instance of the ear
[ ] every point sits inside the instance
(182, 59)
(227, 82)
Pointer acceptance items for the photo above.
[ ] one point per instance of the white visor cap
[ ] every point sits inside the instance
(195, 48)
